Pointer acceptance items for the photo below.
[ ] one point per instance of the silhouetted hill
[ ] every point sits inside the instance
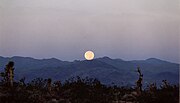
(105, 69)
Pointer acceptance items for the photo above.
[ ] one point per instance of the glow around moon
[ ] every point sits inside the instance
(89, 55)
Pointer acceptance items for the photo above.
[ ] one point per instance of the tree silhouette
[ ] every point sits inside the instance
(139, 81)
(9, 73)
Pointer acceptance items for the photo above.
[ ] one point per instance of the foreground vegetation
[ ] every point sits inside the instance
(88, 90)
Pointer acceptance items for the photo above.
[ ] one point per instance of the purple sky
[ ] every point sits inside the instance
(65, 29)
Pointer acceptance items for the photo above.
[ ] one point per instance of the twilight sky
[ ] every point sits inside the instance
(65, 29)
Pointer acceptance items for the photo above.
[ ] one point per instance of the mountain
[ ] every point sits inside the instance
(105, 69)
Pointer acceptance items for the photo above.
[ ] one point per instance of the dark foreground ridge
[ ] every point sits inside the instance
(82, 90)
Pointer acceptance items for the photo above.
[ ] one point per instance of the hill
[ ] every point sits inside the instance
(105, 69)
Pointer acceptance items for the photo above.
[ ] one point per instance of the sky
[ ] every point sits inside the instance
(65, 29)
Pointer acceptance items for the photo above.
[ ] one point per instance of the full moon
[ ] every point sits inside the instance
(89, 55)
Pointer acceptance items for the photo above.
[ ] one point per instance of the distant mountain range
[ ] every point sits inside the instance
(105, 69)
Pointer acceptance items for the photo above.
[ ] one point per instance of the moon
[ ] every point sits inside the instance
(89, 55)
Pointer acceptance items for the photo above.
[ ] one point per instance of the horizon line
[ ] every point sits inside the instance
(86, 60)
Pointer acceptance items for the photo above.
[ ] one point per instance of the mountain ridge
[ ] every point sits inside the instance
(104, 57)
(105, 69)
